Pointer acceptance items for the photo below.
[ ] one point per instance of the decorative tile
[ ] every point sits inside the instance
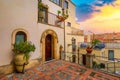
(60, 70)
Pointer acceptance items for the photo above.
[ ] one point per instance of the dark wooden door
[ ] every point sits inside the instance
(48, 47)
(84, 59)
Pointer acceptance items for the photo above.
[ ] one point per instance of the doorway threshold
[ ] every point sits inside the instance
(49, 60)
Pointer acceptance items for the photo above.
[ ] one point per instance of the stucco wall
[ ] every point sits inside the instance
(52, 6)
(68, 38)
(72, 15)
(116, 52)
(105, 50)
(68, 29)
(23, 14)
(17, 14)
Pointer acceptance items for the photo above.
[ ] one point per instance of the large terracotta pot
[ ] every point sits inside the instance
(89, 50)
(19, 61)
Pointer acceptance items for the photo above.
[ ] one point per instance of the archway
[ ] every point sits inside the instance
(49, 45)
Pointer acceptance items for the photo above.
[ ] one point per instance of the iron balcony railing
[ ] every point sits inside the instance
(49, 19)
(98, 62)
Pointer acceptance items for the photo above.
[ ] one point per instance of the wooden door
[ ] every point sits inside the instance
(48, 47)
(84, 59)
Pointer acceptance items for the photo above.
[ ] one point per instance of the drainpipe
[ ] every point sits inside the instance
(64, 38)
(64, 30)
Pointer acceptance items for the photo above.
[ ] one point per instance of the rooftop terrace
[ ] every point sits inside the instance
(60, 70)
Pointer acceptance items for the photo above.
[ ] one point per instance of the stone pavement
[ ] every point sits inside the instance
(59, 70)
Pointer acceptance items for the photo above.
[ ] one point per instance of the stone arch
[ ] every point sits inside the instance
(55, 43)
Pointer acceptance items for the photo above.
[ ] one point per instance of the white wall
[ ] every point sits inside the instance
(15, 14)
(53, 8)
(23, 14)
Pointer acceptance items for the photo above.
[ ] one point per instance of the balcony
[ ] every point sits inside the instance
(49, 18)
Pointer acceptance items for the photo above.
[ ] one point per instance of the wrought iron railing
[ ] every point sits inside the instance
(49, 19)
(103, 63)
(98, 62)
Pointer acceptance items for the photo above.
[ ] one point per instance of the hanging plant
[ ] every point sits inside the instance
(62, 16)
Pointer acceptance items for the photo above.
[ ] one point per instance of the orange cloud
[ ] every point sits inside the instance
(108, 20)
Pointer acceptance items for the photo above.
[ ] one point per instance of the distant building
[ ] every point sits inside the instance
(111, 41)
(72, 28)
(105, 37)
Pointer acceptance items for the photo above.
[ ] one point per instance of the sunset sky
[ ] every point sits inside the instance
(98, 16)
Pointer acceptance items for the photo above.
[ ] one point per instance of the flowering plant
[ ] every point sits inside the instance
(62, 16)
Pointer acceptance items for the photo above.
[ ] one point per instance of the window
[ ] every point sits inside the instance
(58, 2)
(73, 44)
(66, 5)
(69, 24)
(43, 14)
(20, 36)
(111, 55)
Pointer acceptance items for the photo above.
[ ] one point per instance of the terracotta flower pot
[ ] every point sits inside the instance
(61, 18)
(89, 50)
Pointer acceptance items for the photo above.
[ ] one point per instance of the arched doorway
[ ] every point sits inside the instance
(49, 45)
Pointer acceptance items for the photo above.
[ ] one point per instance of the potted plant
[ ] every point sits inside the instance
(22, 54)
(93, 43)
(61, 16)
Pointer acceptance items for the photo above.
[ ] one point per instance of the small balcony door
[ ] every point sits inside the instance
(111, 55)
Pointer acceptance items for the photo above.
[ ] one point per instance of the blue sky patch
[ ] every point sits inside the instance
(84, 8)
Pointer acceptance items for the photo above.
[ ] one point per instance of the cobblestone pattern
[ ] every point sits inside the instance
(60, 70)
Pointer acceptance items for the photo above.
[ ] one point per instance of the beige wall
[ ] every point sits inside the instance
(72, 15)
(22, 14)
(116, 52)
(74, 25)
(68, 41)
(98, 52)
